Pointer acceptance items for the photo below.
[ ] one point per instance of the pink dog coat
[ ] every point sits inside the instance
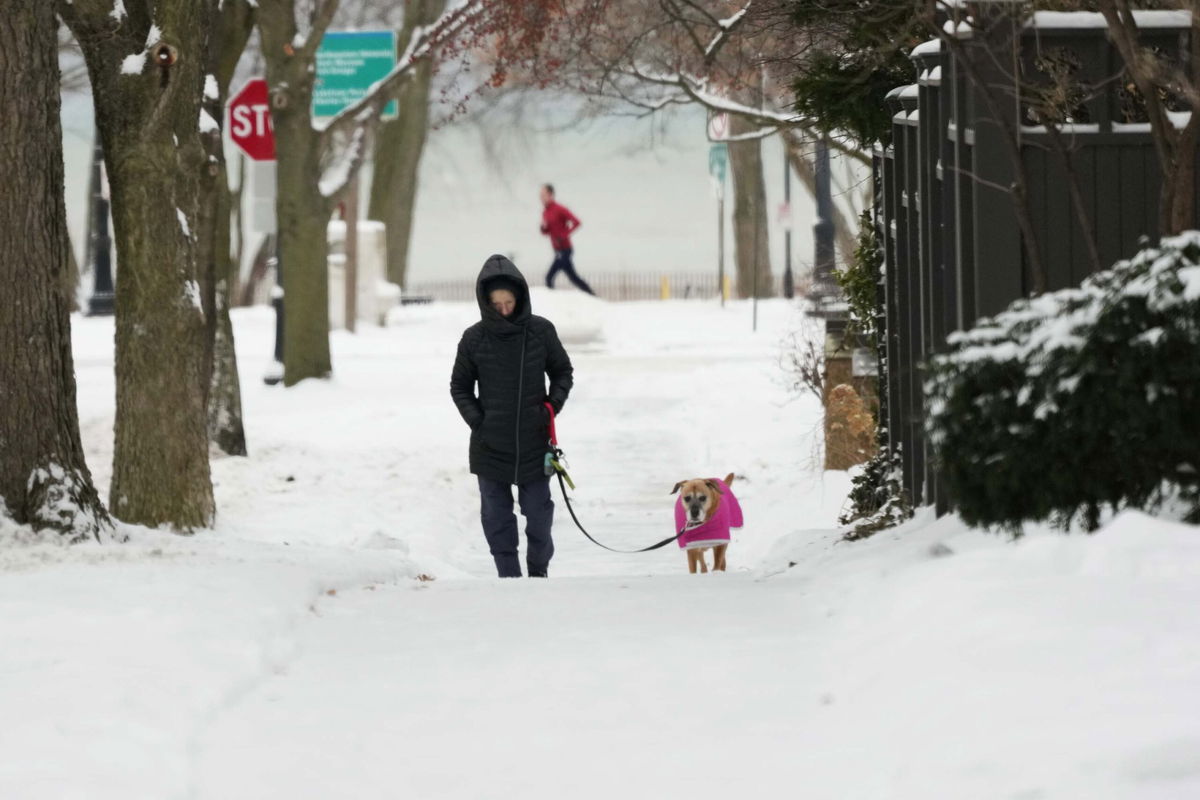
(716, 530)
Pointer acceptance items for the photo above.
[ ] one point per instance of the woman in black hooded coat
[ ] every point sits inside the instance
(510, 356)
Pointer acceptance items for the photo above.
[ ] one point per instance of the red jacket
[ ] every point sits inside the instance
(558, 223)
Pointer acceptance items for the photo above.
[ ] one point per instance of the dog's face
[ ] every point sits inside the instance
(700, 499)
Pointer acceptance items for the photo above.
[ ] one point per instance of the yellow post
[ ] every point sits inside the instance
(725, 288)
(664, 291)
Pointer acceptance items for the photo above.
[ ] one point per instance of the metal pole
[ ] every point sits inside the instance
(101, 302)
(275, 371)
(721, 246)
(754, 269)
(789, 284)
(351, 251)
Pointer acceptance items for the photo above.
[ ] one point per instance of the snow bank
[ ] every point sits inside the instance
(122, 655)
(930, 661)
(579, 317)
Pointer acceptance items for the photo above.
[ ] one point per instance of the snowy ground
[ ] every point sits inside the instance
(293, 653)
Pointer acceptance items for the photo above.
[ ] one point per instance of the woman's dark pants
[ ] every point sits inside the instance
(500, 525)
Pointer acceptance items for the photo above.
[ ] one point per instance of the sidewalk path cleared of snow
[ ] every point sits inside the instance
(293, 653)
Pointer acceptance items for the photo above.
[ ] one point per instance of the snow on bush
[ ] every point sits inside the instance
(578, 317)
(1074, 401)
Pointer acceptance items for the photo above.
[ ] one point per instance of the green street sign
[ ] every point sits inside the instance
(718, 161)
(348, 64)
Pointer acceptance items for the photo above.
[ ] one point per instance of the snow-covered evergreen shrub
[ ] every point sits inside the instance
(1078, 400)
(877, 497)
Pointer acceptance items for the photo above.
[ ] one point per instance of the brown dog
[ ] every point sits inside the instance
(705, 523)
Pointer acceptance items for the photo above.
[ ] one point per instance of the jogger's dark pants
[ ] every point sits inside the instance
(563, 263)
(500, 525)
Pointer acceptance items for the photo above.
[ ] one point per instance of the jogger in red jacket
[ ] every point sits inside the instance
(559, 223)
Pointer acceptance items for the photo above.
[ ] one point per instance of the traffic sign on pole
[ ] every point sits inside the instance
(349, 63)
(718, 126)
(718, 161)
(250, 121)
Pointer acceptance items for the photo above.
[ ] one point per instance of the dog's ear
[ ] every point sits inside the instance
(676, 489)
(729, 479)
(714, 486)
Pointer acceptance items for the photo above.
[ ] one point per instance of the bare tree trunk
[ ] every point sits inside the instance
(1176, 150)
(302, 212)
(70, 284)
(752, 253)
(302, 217)
(44, 479)
(399, 146)
(148, 126)
(233, 22)
(238, 229)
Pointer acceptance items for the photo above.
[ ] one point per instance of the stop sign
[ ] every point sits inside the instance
(250, 121)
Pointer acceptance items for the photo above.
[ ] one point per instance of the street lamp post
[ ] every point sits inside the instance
(274, 373)
(789, 283)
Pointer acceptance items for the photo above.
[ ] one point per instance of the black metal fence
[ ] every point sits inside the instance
(615, 286)
(947, 194)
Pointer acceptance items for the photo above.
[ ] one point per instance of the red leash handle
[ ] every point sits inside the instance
(553, 434)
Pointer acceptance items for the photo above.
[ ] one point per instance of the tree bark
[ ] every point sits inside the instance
(147, 114)
(752, 253)
(44, 479)
(302, 212)
(232, 23)
(70, 285)
(399, 147)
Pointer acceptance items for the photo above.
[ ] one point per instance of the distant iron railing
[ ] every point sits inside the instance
(613, 286)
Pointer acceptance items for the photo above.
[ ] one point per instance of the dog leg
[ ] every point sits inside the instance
(702, 560)
(719, 557)
(691, 554)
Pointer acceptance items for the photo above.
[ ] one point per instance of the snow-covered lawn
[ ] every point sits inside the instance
(293, 653)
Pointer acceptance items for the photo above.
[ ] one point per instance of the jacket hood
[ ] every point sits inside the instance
(499, 269)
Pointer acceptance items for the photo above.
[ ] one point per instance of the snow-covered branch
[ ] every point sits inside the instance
(727, 27)
(338, 175)
(697, 90)
(423, 41)
(322, 18)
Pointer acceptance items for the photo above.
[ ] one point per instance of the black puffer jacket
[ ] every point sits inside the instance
(510, 358)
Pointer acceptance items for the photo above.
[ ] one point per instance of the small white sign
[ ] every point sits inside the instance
(718, 127)
(864, 363)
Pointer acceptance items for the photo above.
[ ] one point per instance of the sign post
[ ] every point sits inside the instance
(718, 162)
(249, 127)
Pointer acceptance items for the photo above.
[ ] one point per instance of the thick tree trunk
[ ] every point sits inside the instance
(399, 147)
(44, 479)
(233, 22)
(302, 217)
(70, 284)
(302, 212)
(751, 250)
(148, 126)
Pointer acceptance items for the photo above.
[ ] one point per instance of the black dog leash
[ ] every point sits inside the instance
(583, 530)
(554, 465)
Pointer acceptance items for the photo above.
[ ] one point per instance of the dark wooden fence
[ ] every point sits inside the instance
(945, 206)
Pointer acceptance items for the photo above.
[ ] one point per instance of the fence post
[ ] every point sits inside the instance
(999, 259)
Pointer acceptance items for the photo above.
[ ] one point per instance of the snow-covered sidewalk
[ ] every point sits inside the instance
(293, 653)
